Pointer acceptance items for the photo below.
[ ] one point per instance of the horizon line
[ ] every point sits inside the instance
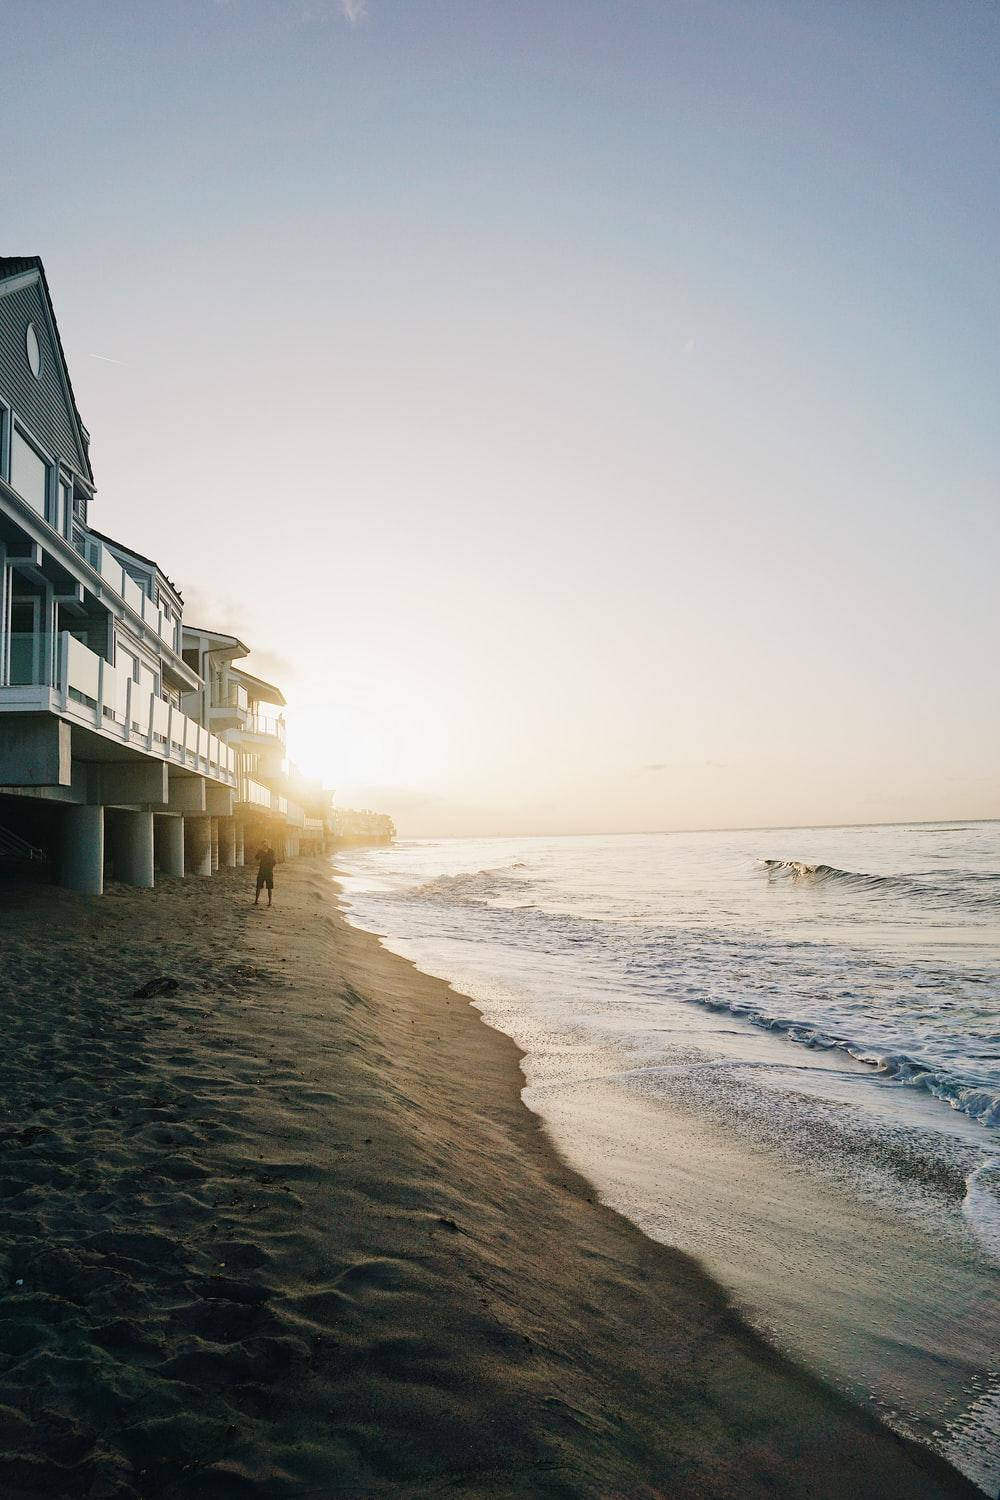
(738, 828)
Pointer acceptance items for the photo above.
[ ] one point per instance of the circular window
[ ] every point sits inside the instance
(33, 350)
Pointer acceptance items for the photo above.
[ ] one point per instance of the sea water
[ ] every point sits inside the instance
(777, 1050)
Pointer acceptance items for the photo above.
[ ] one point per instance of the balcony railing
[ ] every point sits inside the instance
(230, 695)
(253, 794)
(107, 700)
(101, 557)
(30, 658)
(266, 724)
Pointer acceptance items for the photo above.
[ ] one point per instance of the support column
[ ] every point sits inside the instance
(227, 843)
(170, 845)
(82, 866)
(241, 852)
(215, 844)
(132, 852)
(198, 845)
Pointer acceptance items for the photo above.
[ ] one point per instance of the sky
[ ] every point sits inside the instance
(586, 409)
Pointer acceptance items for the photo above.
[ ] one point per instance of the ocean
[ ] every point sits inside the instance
(777, 1050)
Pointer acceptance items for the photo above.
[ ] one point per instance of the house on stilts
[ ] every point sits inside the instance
(128, 744)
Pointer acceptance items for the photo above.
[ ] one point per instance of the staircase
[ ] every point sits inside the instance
(17, 854)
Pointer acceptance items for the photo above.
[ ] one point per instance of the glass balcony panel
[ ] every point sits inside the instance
(267, 724)
(30, 658)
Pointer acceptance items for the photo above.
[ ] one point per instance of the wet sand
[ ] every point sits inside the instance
(289, 1230)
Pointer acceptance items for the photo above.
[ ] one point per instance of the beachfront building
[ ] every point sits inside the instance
(127, 743)
(273, 805)
(98, 759)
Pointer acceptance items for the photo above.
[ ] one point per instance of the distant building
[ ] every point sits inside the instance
(115, 750)
(365, 827)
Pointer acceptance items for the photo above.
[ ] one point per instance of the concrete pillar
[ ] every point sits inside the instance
(132, 848)
(170, 845)
(215, 844)
(198, 845)
(241, 852)
(82, 865)
(227, 843)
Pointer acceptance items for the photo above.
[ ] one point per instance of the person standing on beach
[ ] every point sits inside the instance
(265, 873)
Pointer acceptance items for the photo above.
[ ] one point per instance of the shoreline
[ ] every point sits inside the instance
(290, 1229)
(829, 1201)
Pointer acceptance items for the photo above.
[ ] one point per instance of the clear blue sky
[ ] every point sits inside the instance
(590, 408)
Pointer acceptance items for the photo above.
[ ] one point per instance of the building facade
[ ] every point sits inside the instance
(117, 755)
(273, 803)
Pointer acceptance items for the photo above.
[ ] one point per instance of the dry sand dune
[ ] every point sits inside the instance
(288, 1231)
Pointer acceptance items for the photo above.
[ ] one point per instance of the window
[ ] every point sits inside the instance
(126, 662)
(29, 473)
(149, 681)
(33, 350)
(64, 520)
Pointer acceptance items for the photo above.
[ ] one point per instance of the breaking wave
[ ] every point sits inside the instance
(918, 1019)
(503, 894)
(974, 889)
(472, 887)
(979, 1103)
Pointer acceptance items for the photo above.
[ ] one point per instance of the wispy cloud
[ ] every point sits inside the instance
(271, 664)
(305, 11)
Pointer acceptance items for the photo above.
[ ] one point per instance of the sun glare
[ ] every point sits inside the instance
(361, 741)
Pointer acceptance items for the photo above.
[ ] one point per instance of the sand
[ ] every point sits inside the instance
(288, 1230)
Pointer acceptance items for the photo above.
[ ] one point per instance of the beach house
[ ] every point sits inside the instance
(116, 752)
(245, 711)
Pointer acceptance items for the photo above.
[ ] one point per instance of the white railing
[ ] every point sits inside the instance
(266, 724)
(253, 793)
(107, 700)
(101, 557)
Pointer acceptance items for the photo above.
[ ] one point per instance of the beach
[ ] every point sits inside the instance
(785, 1067)
(286, 1228)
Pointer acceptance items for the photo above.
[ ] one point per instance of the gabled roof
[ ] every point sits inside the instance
(230, 643)
(266, 692)
(19, 265)
(147, 561)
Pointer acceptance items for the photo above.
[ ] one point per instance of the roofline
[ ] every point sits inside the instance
(149, 561)
(218, 635)
(21, 265)
(279, 698)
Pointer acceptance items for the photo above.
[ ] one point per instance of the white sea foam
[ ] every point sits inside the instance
(810, 998)
(981, 1205)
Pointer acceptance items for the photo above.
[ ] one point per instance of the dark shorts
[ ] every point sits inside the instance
(265, 880)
